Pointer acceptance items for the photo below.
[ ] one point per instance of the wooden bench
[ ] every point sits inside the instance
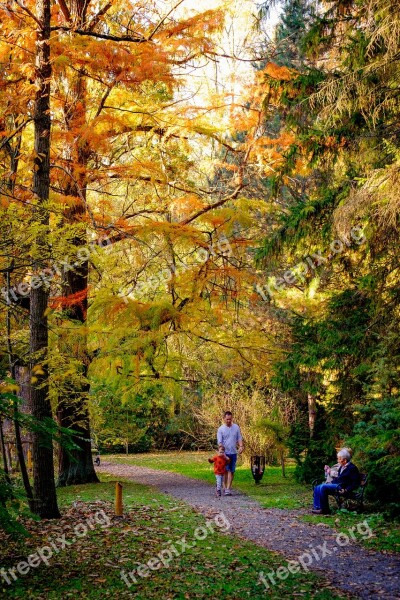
(354, 499)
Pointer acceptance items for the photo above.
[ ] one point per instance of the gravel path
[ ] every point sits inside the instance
(346, 564)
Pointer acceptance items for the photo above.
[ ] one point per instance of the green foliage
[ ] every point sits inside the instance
(311, 454)
(12, 507)
(290, 31)
(137, 419)
(376, 441)
(343, 319)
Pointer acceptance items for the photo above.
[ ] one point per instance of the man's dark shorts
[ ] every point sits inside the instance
(231, 466)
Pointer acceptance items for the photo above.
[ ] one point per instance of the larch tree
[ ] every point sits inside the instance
(45, 499)
(116, 56)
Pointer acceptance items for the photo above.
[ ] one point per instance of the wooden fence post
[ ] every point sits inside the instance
(118, 500)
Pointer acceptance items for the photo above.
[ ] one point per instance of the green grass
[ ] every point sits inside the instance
(219, 566)
(273, 491)
(370, 529)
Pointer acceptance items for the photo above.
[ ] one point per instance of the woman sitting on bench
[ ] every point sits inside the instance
(347, 480)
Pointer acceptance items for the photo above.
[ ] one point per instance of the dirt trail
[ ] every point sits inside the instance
(346, 564)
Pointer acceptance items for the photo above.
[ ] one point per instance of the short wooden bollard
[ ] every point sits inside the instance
(118, 500)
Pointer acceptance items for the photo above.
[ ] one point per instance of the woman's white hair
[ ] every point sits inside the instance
(344, 453)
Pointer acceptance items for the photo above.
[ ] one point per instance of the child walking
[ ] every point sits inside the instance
(220, 461)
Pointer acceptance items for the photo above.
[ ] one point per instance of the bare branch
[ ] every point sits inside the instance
(102, 36)
(163, 20)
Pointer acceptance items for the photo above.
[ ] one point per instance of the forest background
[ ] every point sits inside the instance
(199, 215)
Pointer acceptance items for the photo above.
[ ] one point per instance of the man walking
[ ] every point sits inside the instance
(229, 436)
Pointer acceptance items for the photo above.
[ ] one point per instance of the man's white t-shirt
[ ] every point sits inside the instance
(229, 437)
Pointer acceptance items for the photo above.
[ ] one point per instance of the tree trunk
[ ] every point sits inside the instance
(3, 452)
(45, 499)
(22, 464)
(312, 412)
(76, 466)
(72, 408)
(72, 411)
(282, 457)
(18, 440)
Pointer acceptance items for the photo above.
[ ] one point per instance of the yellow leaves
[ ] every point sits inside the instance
(37, 372)
(8, 388)
(185, 205)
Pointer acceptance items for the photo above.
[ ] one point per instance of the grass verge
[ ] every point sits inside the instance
(91, 565)
(274, 491)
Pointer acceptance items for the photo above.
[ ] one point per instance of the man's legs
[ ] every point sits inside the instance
(321, 493)
(229, 473)
(228, 478)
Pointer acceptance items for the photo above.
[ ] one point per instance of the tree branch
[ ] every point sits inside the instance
(97, 17)
(10, 137)
(64, 10)
(163, 20)
(28, 12)
(102, 36)
(202, 211)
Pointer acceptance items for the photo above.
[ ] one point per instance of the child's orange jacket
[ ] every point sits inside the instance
(220, 463)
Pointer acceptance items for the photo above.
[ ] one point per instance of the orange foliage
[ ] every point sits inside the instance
(61, 302)
(278, 72)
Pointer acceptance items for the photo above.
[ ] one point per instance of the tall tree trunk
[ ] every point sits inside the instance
(77, 467)
(45, 499)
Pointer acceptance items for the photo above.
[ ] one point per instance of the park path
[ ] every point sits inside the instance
(347, 565)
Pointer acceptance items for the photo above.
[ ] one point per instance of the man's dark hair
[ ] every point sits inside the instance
(227, 412)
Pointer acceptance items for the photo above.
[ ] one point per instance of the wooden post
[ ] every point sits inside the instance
(118, 500)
